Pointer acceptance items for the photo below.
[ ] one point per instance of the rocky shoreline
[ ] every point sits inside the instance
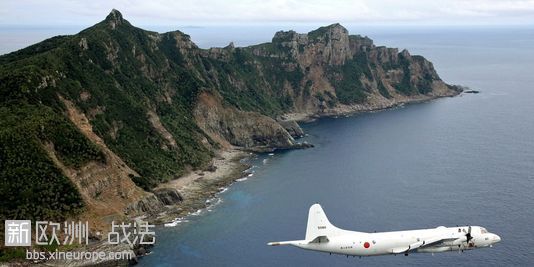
(198, 188)
(348, 110)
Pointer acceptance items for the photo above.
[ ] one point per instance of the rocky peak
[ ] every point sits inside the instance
(336, 27)
(334, 31)
(326, 45)
(285, 36)
(290, 38)
(181, 40)
(405, 53)
(114, 18)
(114, 15)
(333, 42)
(230, 46)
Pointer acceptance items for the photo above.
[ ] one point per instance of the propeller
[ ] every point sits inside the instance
(468, 236)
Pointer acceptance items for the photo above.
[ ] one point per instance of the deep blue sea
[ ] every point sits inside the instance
(467, 160)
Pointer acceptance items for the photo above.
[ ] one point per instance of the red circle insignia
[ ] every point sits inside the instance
(366, 245)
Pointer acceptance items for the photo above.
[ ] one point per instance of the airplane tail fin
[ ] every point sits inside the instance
(318, 224)
(318, 230)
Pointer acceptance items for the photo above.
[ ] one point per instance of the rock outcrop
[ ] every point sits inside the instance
(149, 204)
(107, 188)
(249, 130)
(168, 196)
(292, 127)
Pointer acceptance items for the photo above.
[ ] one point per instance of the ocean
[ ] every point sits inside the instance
(466, 160)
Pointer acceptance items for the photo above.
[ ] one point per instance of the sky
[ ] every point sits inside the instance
(238, 12)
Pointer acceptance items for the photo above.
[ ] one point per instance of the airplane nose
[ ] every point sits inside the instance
(496, 238)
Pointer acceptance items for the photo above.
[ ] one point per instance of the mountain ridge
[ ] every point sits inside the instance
(115, 110)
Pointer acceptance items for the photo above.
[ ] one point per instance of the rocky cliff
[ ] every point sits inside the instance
(340, 73)
(231, 126)
(103, 116)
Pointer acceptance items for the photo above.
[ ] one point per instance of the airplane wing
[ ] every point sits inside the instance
(423, 243)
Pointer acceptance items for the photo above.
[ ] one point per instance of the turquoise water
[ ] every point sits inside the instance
(467, 160)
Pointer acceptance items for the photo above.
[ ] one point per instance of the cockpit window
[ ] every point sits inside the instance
(483, 230)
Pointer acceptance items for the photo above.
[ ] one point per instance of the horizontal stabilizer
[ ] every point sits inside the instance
(283, 243)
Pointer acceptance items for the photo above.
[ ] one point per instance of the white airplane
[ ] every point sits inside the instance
(322, 236)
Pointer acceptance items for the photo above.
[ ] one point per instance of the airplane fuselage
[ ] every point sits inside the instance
(374, 244)
(321, 235)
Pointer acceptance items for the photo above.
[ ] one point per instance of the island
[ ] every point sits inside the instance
(118, 123)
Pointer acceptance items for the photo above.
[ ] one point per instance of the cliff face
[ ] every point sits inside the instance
(240, 128)
(340, 73)
(115, 110)
(326, 46)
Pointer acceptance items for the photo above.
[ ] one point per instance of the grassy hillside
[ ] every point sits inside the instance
(117, 92)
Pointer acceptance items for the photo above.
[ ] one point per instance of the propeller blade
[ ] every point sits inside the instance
(468, 236)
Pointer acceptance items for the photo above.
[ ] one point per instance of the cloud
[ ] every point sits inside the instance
(165, 12)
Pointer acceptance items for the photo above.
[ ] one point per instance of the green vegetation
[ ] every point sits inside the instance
(346, 79)
(405, 86)
(251, 94)
(332, 99)
(317, 34)
(32, 187)
(12, 253)
(121, 90)
(383, 90)
(135, 87)
(422, 85)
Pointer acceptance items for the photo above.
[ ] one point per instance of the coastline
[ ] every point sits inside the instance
(377, 105)
(198, 187)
